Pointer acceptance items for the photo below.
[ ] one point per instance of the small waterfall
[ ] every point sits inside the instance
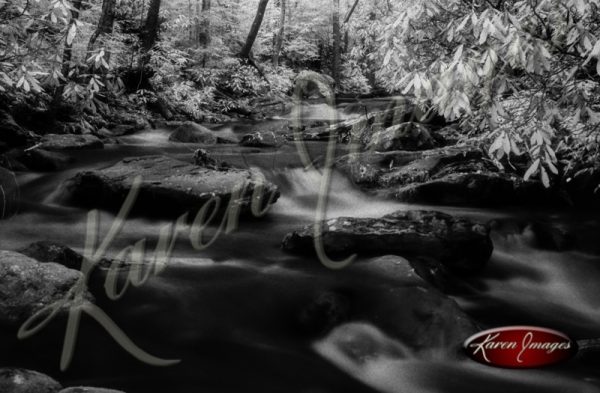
(300, 190)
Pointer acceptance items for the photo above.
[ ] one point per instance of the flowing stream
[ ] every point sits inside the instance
(228, 312)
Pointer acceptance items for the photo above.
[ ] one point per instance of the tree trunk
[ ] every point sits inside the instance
(204, 38)
(347, 19)
(280, 35)
(197, 24)
(105, 24)
(260, 14)
(337, 38)
(150, 31)
(189, 14)
(68, 50)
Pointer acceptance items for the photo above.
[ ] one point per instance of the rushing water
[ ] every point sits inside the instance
(229, 312)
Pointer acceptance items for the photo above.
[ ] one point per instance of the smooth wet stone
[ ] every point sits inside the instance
(16, 380)
(169, 186)
(27, 286)
(458, 243)
(190, 132)
(66, 142)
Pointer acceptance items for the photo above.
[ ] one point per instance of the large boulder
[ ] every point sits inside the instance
(169, 186)
(15, 380)
(27, 286)
(397, 168)
(190, 132)
(66, 142)
(457, 175)
(458, 243)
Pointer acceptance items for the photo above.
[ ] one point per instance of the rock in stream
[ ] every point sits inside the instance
(169, 186)
(456, 242)
(27, 286)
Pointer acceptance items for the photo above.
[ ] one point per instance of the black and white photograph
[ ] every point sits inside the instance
(299, 196)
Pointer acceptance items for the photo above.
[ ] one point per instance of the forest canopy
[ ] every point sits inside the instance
(519, 77)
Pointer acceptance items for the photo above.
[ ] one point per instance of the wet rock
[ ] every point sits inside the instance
(14, 380)
(46, 251)
(551, 236)
(56, 142)
(262, 139)
(405, 321)
(399, 168)
(407, 137)
(44, 161)
(73, 127)
(190, 132)
(27, 286)
(10, 161)
(458, 175)
(81, 389)
(204, 159)
(386, 269)
(9, 194)
(476, 189)
(13, 134)
(458, 243)
(325, 311)
(169, 186)
(128, 123)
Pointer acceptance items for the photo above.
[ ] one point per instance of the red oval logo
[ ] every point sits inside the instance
(520, 347)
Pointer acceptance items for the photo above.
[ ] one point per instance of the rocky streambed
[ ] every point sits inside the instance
(446, 245)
